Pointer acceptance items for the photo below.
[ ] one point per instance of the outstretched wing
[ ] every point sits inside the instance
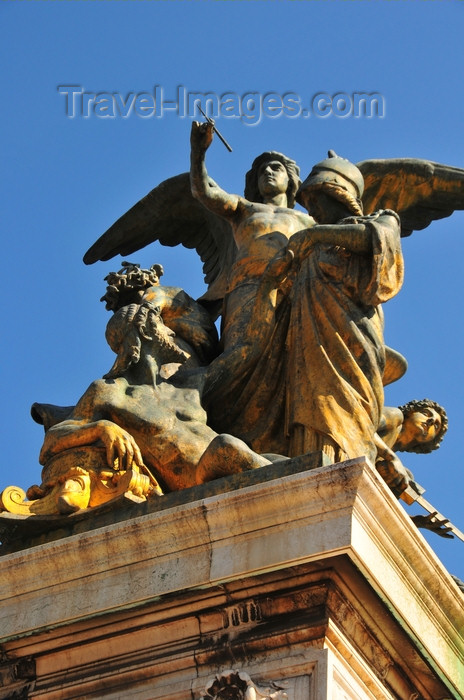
(420, 191)
(171, 215)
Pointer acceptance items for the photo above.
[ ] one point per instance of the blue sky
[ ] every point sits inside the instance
(65, 181)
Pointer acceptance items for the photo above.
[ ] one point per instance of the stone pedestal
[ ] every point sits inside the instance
(309, 585)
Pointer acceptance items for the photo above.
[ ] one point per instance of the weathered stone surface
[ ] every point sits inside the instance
(318, 578)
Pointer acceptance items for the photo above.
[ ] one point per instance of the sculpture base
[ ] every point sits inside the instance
(313, 584)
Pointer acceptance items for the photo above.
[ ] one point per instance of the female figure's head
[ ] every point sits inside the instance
(333, 184)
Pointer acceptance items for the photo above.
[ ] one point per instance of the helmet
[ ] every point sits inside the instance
(338, 177)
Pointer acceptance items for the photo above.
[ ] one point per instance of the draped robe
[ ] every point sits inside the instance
(317, 383)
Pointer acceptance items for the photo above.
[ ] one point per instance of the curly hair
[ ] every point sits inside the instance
(129, 326)
(252, 192)
(417, 406)
(129, 279)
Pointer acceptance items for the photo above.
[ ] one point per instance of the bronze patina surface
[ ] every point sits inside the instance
(301, 363)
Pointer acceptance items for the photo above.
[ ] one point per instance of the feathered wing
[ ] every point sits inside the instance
(171, 215)
(420, 191)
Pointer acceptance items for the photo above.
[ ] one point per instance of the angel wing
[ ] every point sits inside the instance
(420, 191)
(171, 215)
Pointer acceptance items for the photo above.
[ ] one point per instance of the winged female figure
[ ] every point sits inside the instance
(237, 236)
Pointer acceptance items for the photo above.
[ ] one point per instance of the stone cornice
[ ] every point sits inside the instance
(343, 511)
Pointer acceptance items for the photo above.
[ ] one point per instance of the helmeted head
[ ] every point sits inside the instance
(129, 327)
(336, 177)
(424, 424)
(252, 190)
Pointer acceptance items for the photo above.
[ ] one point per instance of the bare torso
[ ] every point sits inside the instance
(167, 422)
(261, 230)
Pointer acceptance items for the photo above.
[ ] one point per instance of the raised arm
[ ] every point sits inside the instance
(203, 187)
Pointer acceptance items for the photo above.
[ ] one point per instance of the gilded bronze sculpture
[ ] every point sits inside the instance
(140, 429)
(301, 363)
